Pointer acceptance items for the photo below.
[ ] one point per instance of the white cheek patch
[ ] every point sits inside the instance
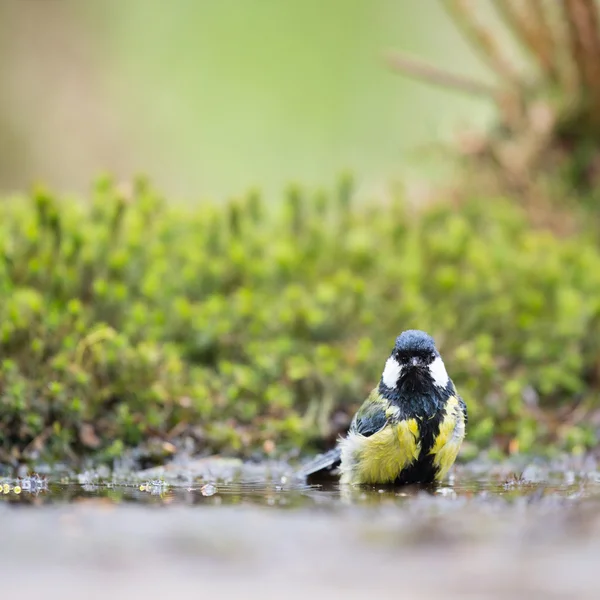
(391, 372)
(438, 372)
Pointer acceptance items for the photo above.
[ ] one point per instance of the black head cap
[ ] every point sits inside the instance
(414, 341)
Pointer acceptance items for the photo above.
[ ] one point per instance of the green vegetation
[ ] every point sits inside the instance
(128, 322)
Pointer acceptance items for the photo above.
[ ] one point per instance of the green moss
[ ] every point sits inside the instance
(126, 320)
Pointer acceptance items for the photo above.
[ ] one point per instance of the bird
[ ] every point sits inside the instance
(410, 428)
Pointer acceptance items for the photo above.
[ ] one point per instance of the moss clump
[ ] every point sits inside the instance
(125, 321)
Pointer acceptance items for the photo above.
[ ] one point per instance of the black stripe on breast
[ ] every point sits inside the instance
(423, 470)
(420, 399)
(430, 411)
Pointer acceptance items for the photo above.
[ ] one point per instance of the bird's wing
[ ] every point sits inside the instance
(369, 419)
(464, 409)
(371, 416)
(462, 406)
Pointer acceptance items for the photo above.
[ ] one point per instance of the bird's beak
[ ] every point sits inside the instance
(414, 361)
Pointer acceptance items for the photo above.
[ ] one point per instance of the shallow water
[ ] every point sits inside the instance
(293, 495)
(219, 527)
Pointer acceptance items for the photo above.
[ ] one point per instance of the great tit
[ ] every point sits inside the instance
(410, 428)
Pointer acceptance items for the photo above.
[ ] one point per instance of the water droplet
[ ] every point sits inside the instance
(208, 489)
(446, 492)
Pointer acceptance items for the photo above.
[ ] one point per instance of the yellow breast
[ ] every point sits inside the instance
(381, 457)
(449, 439)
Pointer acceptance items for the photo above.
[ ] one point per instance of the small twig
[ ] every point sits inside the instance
(463, 13)
(420, 69)
(560, 37)
(38, 442)
(324, 413)
(532, 29)
(542, 28)
(582, 17)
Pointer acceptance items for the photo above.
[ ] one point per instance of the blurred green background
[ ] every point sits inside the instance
(211, 97)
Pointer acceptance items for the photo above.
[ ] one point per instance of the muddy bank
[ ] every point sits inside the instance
(425, 548)
(485, 535)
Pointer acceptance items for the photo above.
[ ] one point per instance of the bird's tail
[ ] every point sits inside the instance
(322, 466)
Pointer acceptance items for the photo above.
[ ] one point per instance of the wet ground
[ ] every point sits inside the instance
(215, 527)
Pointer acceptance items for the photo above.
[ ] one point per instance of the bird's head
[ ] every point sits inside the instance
(414, 360)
